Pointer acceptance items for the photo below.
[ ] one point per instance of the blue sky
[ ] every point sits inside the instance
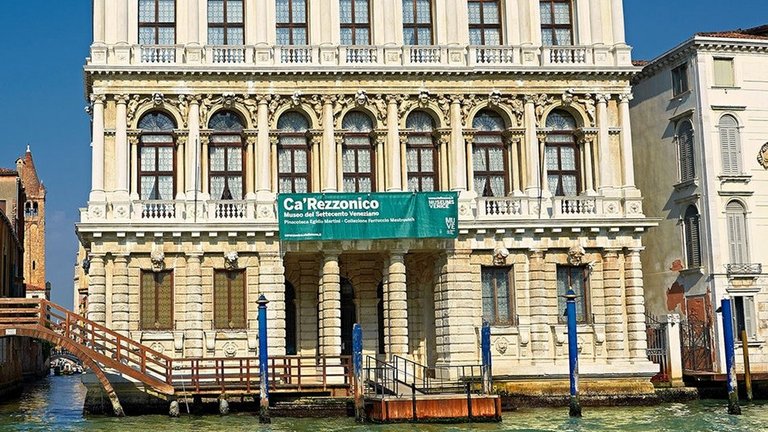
(42, 96)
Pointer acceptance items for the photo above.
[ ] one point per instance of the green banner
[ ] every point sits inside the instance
(356, 216)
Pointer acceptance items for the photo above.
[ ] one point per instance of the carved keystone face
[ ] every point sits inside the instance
(576, 255)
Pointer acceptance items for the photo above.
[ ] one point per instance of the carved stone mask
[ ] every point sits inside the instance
(576, 255)
(500, 255)
(230, 260)
(158, 260)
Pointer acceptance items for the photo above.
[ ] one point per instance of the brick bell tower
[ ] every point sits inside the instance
(34, 228)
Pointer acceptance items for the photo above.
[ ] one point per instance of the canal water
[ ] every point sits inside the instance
(55, 404)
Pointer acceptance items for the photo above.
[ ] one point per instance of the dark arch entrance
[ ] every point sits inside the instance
(380, 316)
(290, 319)
(348, 315)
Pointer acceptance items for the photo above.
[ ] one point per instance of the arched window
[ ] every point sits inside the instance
(686, 152)
(291, 22)
(225, 156)
(359, 159)
(692, 237)
(556, 22)
(736, 215)
(417, 22)
(484, 22)
(225, 22)
(421, 153)
(157, 22)
(730, 145)
(157, 155)
(293, 170)
(562, 155)
(489, 155)
(355, 22)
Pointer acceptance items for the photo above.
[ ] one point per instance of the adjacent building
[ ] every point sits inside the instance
(203, 111)
(34, 228)
(700, 136)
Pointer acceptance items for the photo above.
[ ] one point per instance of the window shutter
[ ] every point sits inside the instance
(724, 72)
(685, 141)
(737, 233)
(730, 145)
(749, 317)
(695, 242)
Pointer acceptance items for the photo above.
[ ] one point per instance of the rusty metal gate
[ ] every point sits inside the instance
(696, 340)
(656, 333)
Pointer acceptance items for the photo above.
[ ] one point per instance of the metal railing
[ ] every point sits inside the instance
(406, 377)
(745, 269)
(656, 351)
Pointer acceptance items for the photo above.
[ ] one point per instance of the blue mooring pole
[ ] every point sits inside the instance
(485, 344)
(357, 368)
(263, 362)
(573, 353)
(730, 357)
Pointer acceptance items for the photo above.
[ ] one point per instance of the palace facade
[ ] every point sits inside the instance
(203, 111)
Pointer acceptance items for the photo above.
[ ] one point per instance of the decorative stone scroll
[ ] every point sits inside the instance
(762, 156)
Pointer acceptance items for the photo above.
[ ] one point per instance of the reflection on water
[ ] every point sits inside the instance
(55, 404)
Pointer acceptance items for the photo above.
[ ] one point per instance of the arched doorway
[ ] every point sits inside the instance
(348, 315)
(290, 319)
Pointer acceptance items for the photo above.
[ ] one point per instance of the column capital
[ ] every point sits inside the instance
(121, 99)
(625, 98)
(331, 254)
(602, 98)
(98, 99)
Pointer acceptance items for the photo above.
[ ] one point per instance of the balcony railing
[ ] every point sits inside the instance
(492, 55)
(746, 269)
(356, 55)
(419, 55)
(297, 54)
(155, 210)
(161, 54)
(227, 54)
(567, 55)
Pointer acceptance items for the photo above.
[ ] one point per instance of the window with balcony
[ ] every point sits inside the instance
(156, 300)
(556, 22)
(293, 154)
(157, 22)
(692, 236)
(736, 216)
(489, 155)
(229, 299)
(291, 22)
(484, 22)
(157, 157)
(562, 155)
(730, 145)
(417, 22)
(355, 20)
(358, 155)
(225, 156)
(498, 295)
(576, 278)
(686, 151)
(680, 79)
(421, 153)
(225, 22)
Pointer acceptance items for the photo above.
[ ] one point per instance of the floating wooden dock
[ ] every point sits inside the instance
(452, 408)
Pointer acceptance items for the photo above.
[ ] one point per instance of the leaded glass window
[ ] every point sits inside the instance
(225, 22)
(355, 22)
(156, 300)
(225, 157)
(562, 155)
(421, 154)
(417, 22)
(556, 22)
(576, 278)
(156, 158)
(489, 155)
(229, 310)
(484, 22)
(293, 157)
(498, 298)
(157, 22)
(358, 156)
(291, 22)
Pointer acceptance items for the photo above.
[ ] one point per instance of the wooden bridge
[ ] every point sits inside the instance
(103, 350)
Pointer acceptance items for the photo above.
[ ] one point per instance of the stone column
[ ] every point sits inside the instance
(627, 160)
(540, 330)
(316, 140)
(272, 285)
(250, 145)
(513, 143)
(263, 163)
(458, 311)
(181, 145)
(532, 145)
(97, 151)
(98, 21)
(194, 345)
(381, 180)
(614, 305)
(469, 167)
(120, 306)
(122, 21)
(604, 144)
(617, 17)
(396, 295)
(596, 21)
(133, 141)
(121, 146)
(330, 305)
(589, 187)
(443, 142)
(393, 143)
(273, 142)
(204, 166)
(193, 22)
(458, 150)
(635, 305)
(97, 290)
(328, 159)
(541, 137)
(194, 154)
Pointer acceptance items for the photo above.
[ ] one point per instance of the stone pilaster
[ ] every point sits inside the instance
(272, 286)
(97, 150)
(396, 307)
(120, 305)
(605, 164)
(330, 305)
(97, 290)
(531, 148)
(457, 311)
(540, 331)
(635, 305)
(194, 309)
(614, 305)
(121, 146)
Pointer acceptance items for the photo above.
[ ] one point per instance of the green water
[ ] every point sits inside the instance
(55, 404)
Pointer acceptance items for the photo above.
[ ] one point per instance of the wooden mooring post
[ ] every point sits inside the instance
(357, 368)
(263, 362)
(730, 357)
(573, 354)
(747, 369)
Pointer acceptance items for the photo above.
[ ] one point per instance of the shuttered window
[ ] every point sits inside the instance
(744, 315)
(497, 295)
(724, 72)
(156, 299)
(229, 299)
(575, 277)
(730, 145)
(686, 152)
(692, 237)
(737, 232)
